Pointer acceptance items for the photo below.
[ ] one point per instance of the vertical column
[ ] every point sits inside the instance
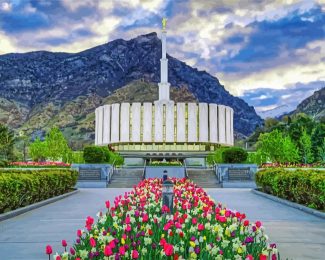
(107, 124)
(96, 126)
(125, 122)
(181, 122)
(232, 126)
(100, 125)
(115, 134)
(203, 122)
(192, 122)
(136, 117)
(159, 115)
(228, 126)
(213, 123)
(222, 124)
(147, 122)
(170, 125)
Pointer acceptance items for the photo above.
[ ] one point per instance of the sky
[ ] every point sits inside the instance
(268, 52)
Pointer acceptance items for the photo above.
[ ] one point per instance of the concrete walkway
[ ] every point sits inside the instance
(298, 234)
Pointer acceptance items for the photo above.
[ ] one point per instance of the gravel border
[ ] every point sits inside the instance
(36, 205)
(291, 204)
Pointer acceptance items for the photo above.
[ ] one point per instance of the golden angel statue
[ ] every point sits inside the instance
(164, 23)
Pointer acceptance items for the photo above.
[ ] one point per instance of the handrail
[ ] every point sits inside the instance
(144, 170)
(185, 168)
(111, 172)
(215, 170)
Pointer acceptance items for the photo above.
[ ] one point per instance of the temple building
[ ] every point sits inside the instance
(164, 127)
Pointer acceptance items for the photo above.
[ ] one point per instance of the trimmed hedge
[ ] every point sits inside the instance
(19, 188)
(305, 187)
(234, 155)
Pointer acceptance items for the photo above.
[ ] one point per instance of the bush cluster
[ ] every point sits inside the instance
(305, 187)
(101, 154)
(234, 155)
(227, 155)
(19, 188)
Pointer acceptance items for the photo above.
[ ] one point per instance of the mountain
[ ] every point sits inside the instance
(41, 89)
(275, 112)
(313, 106)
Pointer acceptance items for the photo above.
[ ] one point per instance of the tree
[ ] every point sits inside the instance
(57, 145)
(305, 144)
(7, 141)
(234, 155)
(317, 140)
(277, 147)
(321, 151)
(38, 150)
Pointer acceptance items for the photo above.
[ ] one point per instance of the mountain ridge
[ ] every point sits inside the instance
(29, 80)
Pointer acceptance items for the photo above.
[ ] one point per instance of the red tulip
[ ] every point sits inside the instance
(122, 250)
(108, 204)
(79, 233)
(168, 249)
(135, 254)
(64, 243)
(246, 223)
(263, 257)
(92, 242)
(200, 227)
(258, 224)
(108, 251)
(48, 250)
(194, 221)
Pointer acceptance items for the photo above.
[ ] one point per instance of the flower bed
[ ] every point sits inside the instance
(293, 165)
(136, 226)
(19, 188)
(162, 163)
(39, 165)
(306, 187)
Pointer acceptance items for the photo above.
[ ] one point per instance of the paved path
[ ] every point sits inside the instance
(298, 234)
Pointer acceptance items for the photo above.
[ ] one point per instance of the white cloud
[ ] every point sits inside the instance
(5, 7)
(7, 44)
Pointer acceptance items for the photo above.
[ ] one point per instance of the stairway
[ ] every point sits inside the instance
(126, 178)
(205, 178)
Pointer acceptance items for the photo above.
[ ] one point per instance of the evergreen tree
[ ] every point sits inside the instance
(305, 144)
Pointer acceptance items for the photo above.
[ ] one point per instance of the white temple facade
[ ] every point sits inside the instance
(164, 125)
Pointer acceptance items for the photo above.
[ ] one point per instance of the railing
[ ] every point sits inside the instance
(144, 170)
(218, 174)
(110, 174)
(185, 169)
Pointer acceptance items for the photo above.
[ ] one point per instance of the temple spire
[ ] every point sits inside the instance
(164, 86)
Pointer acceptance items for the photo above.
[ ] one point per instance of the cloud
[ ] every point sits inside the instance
(248, 45)
(289, 96)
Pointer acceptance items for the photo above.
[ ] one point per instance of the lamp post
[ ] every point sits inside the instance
(168, 195)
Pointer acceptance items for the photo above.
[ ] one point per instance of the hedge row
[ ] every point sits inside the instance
(305, 187)
(19, 188)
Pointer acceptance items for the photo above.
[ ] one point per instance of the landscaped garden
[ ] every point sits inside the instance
(306, 187)
(19, 188)
(137, 226)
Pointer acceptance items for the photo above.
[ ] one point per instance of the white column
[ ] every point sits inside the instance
(203, 122)
(96, 126)
(228, 126)
(232, 126)
(125, 122)
(159, 113)
(180, 122)
(222, 124)
(213, 123)
(170, 121)
(136, 117)
(192, 122)
(147, 122)
(107, 125)
(100, 125)
(115, 134)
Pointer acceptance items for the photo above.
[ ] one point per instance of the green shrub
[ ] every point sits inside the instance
(19, 188)
(234, 155)
(305, 187)
(94, 154)
(116, 158)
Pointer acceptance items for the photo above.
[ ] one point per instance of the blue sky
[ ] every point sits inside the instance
(269, 52)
